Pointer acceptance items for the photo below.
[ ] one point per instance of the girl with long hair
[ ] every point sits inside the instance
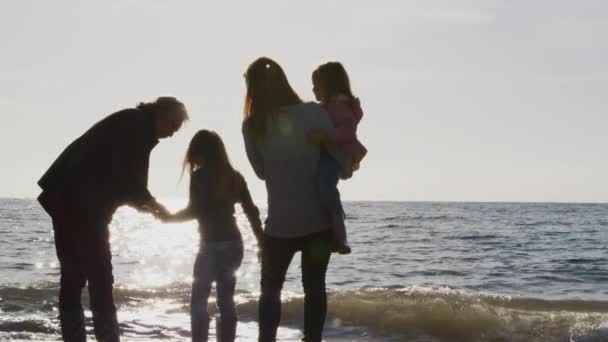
(215, 187)
(331, 86)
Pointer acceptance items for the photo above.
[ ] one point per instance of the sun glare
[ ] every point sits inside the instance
(155, 254)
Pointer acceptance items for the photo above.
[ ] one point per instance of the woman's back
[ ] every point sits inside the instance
(288, 163)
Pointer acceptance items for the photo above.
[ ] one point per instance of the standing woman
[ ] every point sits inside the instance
(275, 126)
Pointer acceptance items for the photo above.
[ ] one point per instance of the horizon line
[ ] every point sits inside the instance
(404, 201)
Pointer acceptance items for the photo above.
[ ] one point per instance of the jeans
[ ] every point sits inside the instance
(215, 262)
(276, 257)
(83, 249)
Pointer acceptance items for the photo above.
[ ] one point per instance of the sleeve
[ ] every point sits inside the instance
(130, 162)
(139, 194)
(253, 154)
(250, 209)
(346, 130)
(324, 122)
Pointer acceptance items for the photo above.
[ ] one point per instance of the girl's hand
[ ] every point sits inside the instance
(317, 136)
(166, 217)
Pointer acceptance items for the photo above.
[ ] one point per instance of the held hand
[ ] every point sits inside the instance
(163, 216)
(158, 210)
(317, 136)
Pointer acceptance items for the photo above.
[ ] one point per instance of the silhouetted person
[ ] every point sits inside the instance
(331, 87)
(274, 130)
(103, 169)
(215, 188)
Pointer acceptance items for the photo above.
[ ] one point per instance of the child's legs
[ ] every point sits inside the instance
(201, 288)
(229, 260)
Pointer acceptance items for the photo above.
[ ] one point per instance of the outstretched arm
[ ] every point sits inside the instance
(129, 162)
(180, 216)
(153, 207)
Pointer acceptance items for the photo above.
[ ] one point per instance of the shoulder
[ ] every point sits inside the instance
(342, 104)
(127, 119)
(342, 101)
(311, 107)
(129, 114)
(311, 110)
(115, 124)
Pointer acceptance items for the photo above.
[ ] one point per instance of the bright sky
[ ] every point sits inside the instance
(465, 100)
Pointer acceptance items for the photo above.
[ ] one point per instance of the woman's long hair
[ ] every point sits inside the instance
(333, 79)
(206, 150)
(267, 91)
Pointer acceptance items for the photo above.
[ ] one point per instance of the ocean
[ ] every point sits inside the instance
(419, 271)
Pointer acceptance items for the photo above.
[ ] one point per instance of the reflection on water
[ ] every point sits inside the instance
(154, 254)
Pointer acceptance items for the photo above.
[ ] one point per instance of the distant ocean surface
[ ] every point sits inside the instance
(429, 272)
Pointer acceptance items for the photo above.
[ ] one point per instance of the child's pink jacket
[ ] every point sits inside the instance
(346, 115)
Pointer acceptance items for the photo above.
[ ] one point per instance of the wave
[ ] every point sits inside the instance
(542, 223)
(475, 237)
(437, 314)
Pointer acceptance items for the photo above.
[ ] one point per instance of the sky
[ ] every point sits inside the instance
(464, 100)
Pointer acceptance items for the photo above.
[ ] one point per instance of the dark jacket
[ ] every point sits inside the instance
(106, 167)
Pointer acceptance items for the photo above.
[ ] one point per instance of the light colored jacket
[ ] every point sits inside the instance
(288, 164)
